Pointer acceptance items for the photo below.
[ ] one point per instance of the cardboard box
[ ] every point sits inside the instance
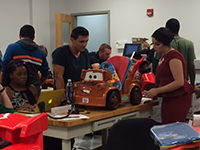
(142, 41)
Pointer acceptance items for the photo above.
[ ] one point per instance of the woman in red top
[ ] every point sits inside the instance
(172, 84)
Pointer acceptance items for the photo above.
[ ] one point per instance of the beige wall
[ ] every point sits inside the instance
(127, 18)
(12, 15)
(39, 13)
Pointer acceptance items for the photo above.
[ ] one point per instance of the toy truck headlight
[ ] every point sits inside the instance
(100, 86)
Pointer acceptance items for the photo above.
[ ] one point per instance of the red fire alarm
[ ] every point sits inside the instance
(149, 12)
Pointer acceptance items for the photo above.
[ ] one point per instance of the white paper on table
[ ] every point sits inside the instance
(145, 100)
(72, 117)
(31, 115)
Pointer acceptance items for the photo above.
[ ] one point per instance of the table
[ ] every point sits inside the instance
(99, 119)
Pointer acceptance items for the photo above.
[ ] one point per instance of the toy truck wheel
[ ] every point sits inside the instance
(136, 96)
(113, 100)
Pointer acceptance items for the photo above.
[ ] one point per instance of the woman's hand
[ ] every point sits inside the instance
(151, 93)
(26, 107)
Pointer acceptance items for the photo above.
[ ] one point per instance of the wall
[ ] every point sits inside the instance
(12, 18)
(14, 14)
(40, 18)
(128, 18)
(40, 14)
(59, 6)
(43, 19)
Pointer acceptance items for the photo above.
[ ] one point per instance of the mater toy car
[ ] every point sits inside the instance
(104, 87)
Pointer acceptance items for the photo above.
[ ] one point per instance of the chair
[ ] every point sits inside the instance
(24, 133)
(122, 65)
(132, 134)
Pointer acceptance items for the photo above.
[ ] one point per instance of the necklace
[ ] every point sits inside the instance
(161, 60)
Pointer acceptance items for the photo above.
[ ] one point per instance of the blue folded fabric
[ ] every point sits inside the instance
(174, 134)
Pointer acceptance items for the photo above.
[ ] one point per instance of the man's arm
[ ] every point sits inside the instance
(191, 72)
(43, 79)
(95, 65)
(190, 64)
(58, 76)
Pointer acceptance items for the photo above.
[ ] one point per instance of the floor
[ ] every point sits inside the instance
(91, 143)
(87, 142)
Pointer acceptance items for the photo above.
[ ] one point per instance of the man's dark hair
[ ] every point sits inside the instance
(79, 31)
(10, 68)
(27, 31)
(143, 64)
(173, 25)
(163, 35)
(142, 67)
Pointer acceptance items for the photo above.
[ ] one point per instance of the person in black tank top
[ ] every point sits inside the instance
(16, 82)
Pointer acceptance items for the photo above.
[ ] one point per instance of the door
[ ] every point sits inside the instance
(98, 27)
(64, 26)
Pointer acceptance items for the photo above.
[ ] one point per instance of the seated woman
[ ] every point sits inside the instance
(16, 82)
(6, 105)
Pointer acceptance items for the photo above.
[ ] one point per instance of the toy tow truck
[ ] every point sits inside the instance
(100, 87)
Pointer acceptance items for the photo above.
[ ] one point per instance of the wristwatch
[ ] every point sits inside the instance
(2, 90)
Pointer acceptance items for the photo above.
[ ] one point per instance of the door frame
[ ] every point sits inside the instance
(59, 19)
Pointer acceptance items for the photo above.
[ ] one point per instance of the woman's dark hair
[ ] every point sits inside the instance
(163, 35)
(10, 68)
